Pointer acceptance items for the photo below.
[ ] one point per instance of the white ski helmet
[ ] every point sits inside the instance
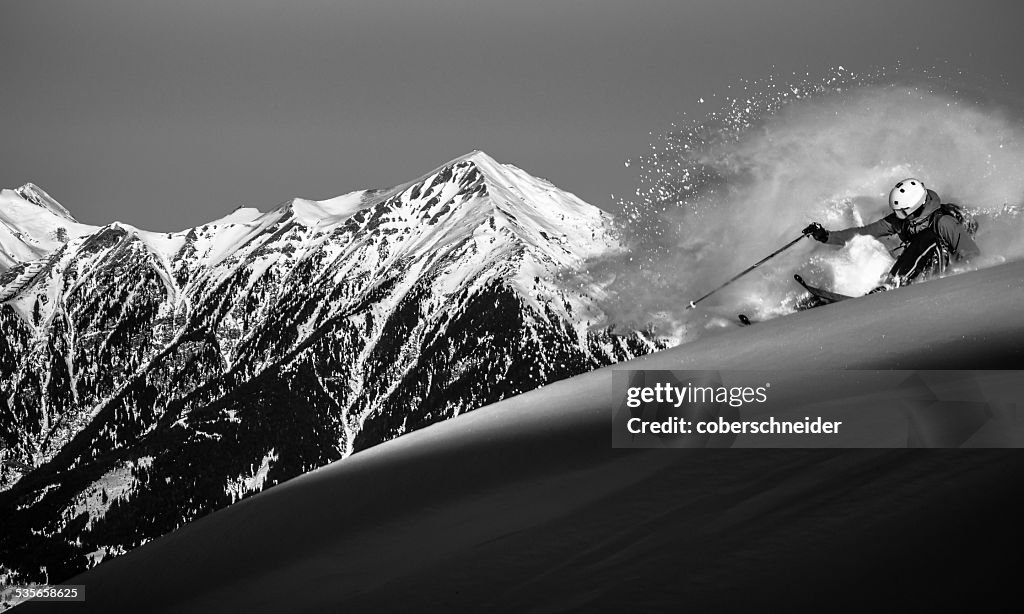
(908, 195)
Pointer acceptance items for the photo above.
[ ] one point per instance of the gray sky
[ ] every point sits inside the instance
(169, 114)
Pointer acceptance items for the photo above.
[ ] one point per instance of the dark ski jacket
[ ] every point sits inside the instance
(954, 240)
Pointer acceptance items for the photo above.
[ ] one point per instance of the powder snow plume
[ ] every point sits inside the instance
(719, 194)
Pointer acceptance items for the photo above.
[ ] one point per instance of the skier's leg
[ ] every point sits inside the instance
(919, 257)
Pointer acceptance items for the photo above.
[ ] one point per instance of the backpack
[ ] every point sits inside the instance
(963, 216)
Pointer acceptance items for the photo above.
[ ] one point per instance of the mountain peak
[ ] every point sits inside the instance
(488, 166)
(35, 195)
(477, 155)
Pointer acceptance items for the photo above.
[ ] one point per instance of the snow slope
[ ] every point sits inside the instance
(523, 506)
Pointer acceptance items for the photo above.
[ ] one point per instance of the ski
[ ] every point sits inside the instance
(821, 296)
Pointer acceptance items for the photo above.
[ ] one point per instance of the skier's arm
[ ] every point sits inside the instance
(961, 246)
(881, 228)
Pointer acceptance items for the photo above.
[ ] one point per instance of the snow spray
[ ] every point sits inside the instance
(718, 194)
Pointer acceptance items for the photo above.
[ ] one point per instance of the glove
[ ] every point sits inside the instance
(817, 231)
(887, 282)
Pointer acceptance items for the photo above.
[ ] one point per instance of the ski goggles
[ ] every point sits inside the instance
(905, 213)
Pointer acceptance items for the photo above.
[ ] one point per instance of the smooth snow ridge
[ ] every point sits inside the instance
(33, 225)
(330, 212)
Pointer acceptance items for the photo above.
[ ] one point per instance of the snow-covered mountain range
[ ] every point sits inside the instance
(147, 379)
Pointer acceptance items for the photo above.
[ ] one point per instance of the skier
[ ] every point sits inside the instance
(932, 233)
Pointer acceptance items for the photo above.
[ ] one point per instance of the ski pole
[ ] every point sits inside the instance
(749, 269)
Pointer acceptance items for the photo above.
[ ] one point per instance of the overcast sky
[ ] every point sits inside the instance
(168, 114)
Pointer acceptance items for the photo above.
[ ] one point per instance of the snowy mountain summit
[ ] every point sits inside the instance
(170, 374)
